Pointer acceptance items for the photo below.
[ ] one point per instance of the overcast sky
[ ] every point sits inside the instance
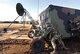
(8, 7)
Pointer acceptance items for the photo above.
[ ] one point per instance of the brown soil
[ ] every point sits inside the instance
(20, 46)
(23, 47)
(12, 46)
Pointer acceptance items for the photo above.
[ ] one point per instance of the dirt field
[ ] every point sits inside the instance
(14, 44)
(13, 26)
(14, 41)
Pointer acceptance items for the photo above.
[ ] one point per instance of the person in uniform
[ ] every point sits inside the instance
(51, 35)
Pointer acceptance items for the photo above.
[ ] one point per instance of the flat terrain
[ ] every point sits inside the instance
(14, 46)
(16, 42)
(13, 26)
(22, 46)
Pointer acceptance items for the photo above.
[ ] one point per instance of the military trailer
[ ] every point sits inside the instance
(65, 20)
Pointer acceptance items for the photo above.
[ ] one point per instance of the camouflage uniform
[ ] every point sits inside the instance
(51, 35)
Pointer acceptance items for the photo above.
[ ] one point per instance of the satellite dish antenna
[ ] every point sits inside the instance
(20, 9)
(22, 12)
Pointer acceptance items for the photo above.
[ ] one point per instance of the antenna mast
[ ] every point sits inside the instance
(38, 8)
